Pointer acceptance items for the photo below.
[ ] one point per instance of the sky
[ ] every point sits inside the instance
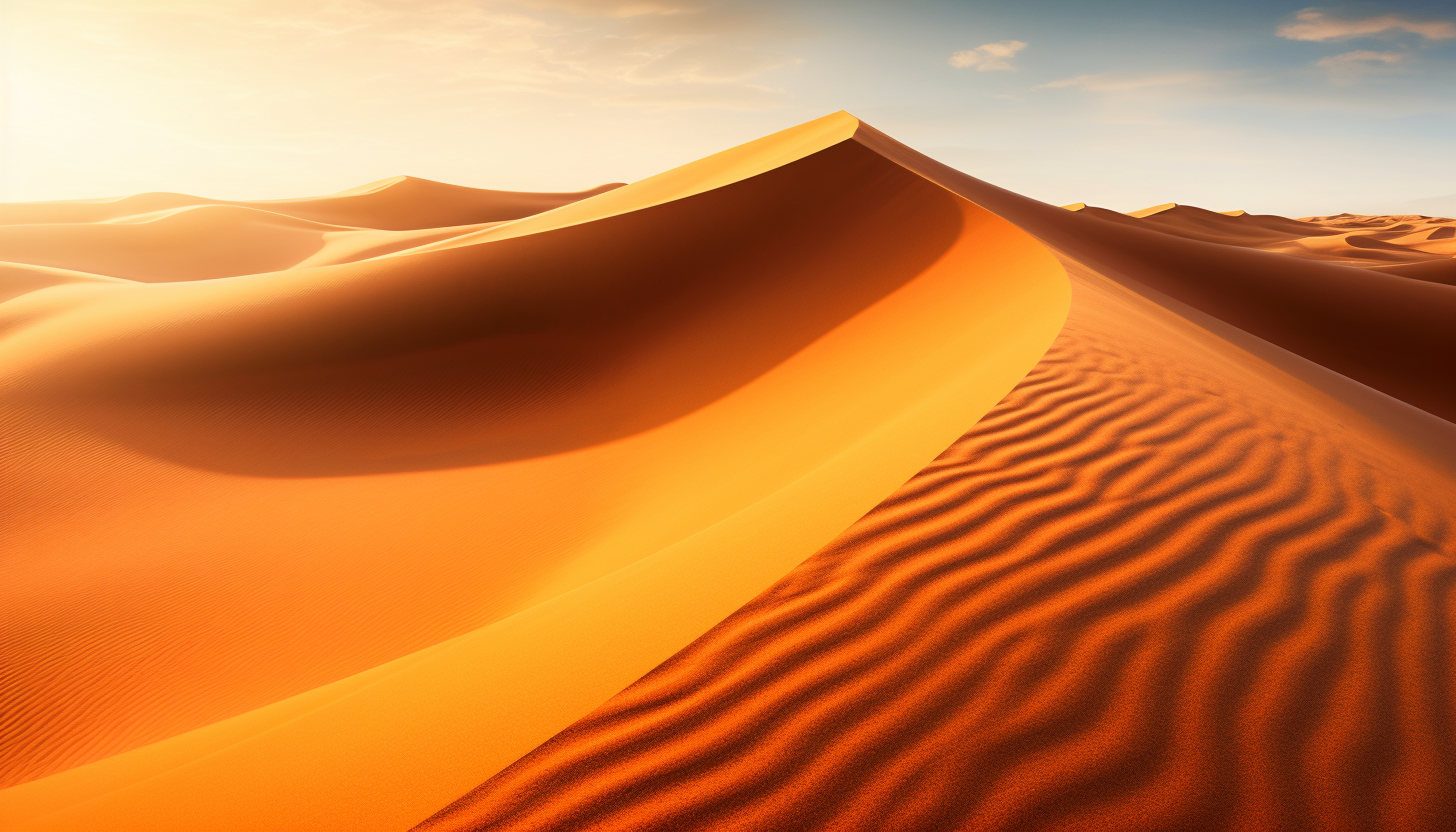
(1264, 106)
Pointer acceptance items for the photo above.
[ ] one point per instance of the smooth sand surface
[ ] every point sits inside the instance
(584, 513)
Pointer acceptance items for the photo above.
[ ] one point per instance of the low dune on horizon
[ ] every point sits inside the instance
(811, 485)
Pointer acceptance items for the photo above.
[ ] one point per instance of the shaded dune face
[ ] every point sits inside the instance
(1159, 587)
(1389, 332)
(1431, 271)
(509, 349)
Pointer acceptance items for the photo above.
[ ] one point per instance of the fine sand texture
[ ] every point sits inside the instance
(421, 506)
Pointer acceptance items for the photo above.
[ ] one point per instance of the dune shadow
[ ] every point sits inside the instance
(522, 347)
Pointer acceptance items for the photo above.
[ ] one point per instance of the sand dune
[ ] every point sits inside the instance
(1390, 333)
(419, 504)
(400, 203)
(1364, 241)
(1164, 584)
(158, 238)
(17, 279)
(191, 243)
(357, 462)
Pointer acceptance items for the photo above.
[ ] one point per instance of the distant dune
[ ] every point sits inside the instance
(400, 203)
(1368, 241)
(420, 506)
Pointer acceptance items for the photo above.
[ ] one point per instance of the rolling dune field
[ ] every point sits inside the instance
(811, 485)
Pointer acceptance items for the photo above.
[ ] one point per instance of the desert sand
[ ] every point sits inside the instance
(810, 485)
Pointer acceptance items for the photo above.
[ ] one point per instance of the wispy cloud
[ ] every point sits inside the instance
(1171, 95)
(1349, 66)
(616, 8)
(1361, 56)
(1314, 25)
(1119, 82)
(644, 54)
(989, 57)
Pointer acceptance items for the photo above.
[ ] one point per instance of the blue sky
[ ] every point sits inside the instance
(1286, 109)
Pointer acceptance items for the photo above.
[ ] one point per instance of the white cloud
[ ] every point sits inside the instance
(989, 57)
(1314, 25)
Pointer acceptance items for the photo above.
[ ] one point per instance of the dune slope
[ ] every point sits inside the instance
(1165, 584)
(1385, 331)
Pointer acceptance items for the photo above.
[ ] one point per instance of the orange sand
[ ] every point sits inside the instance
(575, 443)
(324, 513)
(1166, 584)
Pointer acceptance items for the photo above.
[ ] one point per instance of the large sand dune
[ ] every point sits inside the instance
(1166, 584)
(419, 504)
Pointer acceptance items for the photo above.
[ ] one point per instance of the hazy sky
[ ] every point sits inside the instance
(1123, 103)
